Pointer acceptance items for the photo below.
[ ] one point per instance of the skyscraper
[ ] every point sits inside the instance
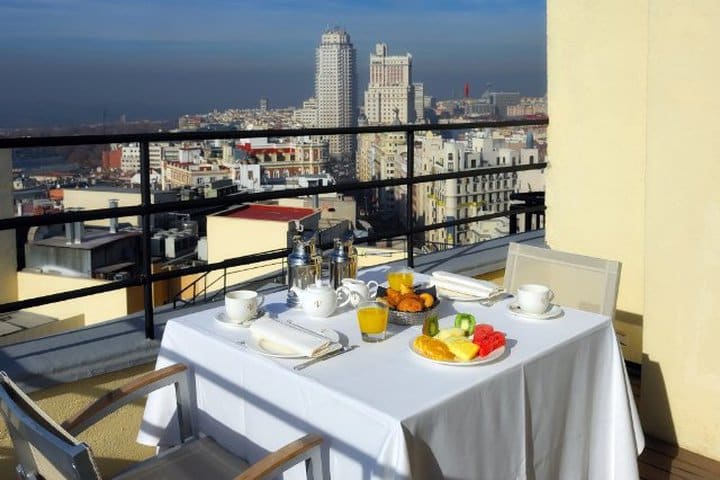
(390, 91)
(335, 87)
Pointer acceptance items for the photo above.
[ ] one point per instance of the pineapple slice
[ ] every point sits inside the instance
(463, 349)
(446, 333)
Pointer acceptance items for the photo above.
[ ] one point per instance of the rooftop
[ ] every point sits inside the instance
(268, 212)
(91, 239)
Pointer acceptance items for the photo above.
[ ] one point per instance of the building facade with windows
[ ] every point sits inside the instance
(284, 159)
(307, 115)
(390, 94)
(184, 174)
(336, 88)
(468, 197)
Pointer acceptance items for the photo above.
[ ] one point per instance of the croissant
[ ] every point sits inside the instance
(433, 348)
(410, 304)
(393, 296)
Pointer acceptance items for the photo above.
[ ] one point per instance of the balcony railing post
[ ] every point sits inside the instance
(146, 236)
(410, 147)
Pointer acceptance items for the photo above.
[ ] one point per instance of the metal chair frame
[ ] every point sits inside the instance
(41, 445)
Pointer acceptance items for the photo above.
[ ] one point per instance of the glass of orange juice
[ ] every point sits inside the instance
(400, 276)
(373, 320)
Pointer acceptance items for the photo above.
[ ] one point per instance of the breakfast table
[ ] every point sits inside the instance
(555, 405)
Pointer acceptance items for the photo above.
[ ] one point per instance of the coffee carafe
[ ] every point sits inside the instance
(304, 266)
(343, 261)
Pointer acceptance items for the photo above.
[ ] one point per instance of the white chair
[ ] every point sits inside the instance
(585, 283)
(46, 450)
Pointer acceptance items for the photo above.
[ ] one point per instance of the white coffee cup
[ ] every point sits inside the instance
(357, 290)
(242, 305)
(534, 298)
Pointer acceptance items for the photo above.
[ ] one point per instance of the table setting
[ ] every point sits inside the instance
(388, 394)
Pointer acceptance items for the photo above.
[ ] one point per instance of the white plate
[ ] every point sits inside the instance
(494, 355)
(553, 312)
(221, 317)
(272, 349)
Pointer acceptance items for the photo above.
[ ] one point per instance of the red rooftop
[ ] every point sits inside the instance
(268, 212)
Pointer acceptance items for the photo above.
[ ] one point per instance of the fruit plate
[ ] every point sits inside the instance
(494, 355)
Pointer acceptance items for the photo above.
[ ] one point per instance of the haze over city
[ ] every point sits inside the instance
(71, 61)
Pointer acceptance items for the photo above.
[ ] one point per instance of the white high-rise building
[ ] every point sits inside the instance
(390, 90)
(335, 87)
(307, 115)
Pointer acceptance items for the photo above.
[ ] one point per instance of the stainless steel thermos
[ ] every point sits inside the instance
(304, 265)
(343, 261)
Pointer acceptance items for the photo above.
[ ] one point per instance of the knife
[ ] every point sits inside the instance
(315, 360)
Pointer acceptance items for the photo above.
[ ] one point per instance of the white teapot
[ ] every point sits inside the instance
(320, 300)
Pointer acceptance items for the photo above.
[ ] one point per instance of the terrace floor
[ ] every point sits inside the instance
(663, 461)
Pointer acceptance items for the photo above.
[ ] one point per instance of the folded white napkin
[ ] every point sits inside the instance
(288, 337)
(465, 285)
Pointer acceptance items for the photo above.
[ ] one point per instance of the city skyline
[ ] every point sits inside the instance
(70, 61)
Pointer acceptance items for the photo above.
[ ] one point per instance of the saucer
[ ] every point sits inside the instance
(221, 317)
(552, 312)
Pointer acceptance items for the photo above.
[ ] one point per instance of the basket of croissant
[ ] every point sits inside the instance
(409, 306)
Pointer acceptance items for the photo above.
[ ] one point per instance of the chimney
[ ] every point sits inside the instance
(113, 203)
(79, 230)
(69, 233)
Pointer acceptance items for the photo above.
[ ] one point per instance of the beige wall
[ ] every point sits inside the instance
(597, 92)
(8, 266)
(682, 223)
(90, 199)
(596, 149)
(93, 308)
(233, 237)
(112, 439)
(230, 237)
(633, 176)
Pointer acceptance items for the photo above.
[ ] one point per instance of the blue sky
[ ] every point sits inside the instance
(65, 61)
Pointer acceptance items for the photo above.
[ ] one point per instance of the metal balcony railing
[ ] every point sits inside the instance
(146, 209)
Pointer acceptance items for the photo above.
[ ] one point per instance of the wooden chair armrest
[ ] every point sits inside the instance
(115, 399)
(289, 455)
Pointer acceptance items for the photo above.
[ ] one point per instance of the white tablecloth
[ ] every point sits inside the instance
(556, 406)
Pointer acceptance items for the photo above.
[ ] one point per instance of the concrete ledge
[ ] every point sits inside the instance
(78, 354)
(118, 344)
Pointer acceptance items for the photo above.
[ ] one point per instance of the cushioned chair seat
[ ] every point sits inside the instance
(198, 459)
